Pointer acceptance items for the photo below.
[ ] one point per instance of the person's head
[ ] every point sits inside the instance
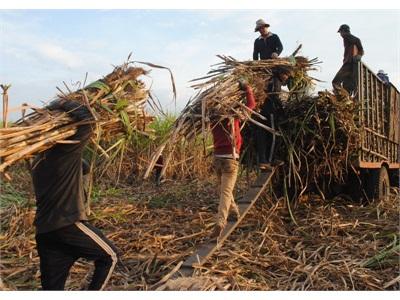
(344, 29)
(382, 72)
(262, 27)
(284, 74)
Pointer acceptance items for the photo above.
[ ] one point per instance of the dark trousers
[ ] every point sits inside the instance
(265, 140)
(346, 77)
(59, 249)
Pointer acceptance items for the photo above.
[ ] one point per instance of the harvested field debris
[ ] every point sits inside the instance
(336, 245)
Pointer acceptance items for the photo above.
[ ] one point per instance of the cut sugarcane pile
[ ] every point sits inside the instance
(220, 98)
(320, 141)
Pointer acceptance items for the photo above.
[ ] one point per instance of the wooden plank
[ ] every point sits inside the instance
(184, 271)
(204, 251)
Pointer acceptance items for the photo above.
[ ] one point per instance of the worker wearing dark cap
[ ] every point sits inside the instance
(353, 51)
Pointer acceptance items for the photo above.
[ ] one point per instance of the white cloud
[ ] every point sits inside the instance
(58, 54)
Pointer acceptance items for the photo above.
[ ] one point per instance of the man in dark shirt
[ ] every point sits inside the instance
(273, 112)
(267, 45)
(353, 51)
(62, 232)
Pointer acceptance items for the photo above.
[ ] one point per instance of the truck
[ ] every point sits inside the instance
(378, 160)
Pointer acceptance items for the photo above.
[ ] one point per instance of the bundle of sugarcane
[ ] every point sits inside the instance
(117, 103)
(321, 138)
(220, 98)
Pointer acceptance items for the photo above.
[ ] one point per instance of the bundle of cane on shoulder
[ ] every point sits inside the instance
(117, 103)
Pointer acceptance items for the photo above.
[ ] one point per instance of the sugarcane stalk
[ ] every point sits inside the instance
(5, 88)
(38, 137)
(40, 146)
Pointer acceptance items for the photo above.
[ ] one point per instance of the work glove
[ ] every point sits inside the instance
(274, 55)
(243, 84)
(292, 60)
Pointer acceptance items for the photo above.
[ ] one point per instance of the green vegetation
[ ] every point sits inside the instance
(162, 125)
(11, 195)
(99, 192)
(160, 128)
(387, 256)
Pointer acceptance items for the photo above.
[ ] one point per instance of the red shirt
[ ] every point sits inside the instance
(223, 143)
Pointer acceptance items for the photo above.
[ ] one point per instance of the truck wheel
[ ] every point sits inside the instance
(382, 185)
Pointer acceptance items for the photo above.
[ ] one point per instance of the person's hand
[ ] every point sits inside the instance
(292, 60)
(357, 58)
(243, 84)
(55, 104)
(73, 108)
(274, 55)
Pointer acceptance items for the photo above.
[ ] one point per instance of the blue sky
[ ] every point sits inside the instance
(39, 49)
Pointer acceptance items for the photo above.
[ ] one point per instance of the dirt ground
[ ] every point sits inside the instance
(324, 245)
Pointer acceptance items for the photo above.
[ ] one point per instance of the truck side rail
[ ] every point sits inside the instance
(379, 118)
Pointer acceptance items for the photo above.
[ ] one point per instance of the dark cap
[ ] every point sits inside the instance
(344, 27)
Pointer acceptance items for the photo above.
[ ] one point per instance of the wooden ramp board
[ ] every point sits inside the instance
(204, 251)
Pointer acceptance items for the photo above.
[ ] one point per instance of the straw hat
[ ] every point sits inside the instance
(260, 23)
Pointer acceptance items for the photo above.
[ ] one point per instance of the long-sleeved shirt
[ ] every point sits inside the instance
(384, 78)
(352, 47)
(223, 141)
(264, 47)
(272, 103)
(57, 178)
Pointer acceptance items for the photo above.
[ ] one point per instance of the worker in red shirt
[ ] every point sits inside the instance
(227, 143)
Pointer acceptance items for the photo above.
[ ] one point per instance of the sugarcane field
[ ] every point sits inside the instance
(269, 177)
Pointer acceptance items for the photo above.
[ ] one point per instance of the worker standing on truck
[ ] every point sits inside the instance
(227, 141)
(353, 51)
(63, 233)
(273, 112)
(267, 45)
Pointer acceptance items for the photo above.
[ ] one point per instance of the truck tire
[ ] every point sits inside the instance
(381, 187)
